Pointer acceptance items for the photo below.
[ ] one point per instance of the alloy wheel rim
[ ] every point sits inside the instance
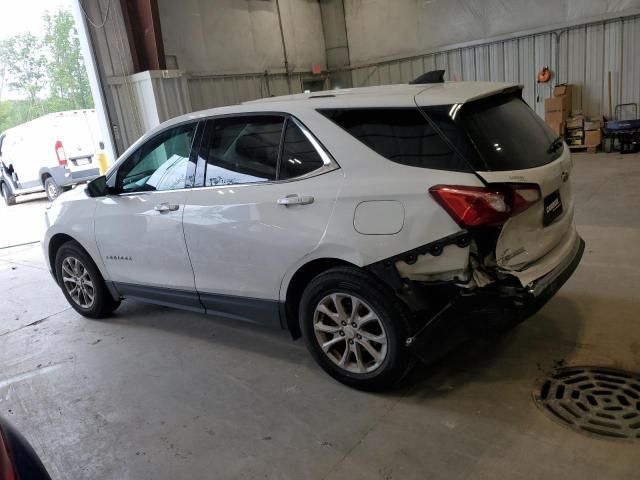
(52, 191)
(350, 333)
(77, 282)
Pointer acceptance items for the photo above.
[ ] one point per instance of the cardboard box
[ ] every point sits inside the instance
(592, 138)
(562, 89)
(565, 92)
(558, 128)
(594, 123)
(575, 122)
(558, 105)
(554, 118)
(554, 104)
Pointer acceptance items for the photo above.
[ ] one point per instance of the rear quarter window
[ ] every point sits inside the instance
(507, 133)
(401, 135)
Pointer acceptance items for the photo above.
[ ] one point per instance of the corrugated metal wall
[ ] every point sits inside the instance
(143, 100)
(581, 55)
(218, 90)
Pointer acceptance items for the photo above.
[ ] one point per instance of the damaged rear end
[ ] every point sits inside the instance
(517, 240)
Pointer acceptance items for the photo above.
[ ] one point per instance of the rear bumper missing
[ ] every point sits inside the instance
(493, 308)
(553, 280)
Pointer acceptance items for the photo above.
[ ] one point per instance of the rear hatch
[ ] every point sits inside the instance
(76, 133)
(506, 143)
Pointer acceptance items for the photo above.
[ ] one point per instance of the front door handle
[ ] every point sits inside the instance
(166, 207)
(295, 199)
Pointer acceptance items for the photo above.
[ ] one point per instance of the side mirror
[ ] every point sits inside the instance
(98, 187)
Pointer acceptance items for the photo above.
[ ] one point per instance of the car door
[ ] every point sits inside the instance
(268, 193)
(139, 228)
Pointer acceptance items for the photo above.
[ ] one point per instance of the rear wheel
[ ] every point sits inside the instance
(7, 195)
(52, 189)
(355, 329)
(81, 282)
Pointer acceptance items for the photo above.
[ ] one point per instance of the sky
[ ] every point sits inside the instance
(21, 16)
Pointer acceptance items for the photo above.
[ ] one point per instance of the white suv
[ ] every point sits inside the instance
(376, 222)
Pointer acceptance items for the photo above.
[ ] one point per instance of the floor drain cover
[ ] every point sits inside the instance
(599, 401)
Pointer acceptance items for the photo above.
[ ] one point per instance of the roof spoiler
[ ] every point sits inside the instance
(435, 76)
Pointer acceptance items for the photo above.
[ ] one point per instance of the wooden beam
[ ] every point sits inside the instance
(142, 22)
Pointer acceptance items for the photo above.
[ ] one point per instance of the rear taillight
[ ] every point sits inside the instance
(485, 206)
(7, 469)
(62, 157)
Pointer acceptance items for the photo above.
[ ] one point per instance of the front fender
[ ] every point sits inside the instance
(73, 215)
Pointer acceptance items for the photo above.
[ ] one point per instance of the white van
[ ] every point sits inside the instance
(50, 153)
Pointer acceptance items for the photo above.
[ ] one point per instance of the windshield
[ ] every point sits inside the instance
(508, 134)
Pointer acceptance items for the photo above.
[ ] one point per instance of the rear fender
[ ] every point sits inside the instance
(428, 262)
(324, 251)
(57, 173)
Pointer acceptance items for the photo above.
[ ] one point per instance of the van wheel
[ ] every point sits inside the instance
(81, 282)
(7, 194)
(355, 329)
(52, 189)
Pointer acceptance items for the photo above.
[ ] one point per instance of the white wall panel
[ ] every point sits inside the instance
(454, 60)
(630, 68)
(496, 62)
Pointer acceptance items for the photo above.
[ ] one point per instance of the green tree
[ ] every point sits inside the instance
(26, 65)
(67, 74)
(15, 112)
(48, 73)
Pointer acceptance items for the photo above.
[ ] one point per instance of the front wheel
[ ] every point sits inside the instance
(81, 282)
(7, 195)
(52, 189)
(355, 329)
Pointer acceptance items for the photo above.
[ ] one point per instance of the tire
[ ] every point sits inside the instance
(385, 317)
(52, 189)
(74, 262)
(7, 195)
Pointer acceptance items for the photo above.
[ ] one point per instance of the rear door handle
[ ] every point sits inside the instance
(295, 199)
(166, 207)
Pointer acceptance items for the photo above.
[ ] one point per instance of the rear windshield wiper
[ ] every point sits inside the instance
(555, 145)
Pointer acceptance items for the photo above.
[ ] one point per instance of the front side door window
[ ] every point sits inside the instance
(161, 164)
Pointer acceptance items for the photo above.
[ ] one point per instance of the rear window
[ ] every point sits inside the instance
(507, 134)
(402, 135)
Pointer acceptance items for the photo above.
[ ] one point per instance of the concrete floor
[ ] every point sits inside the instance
(156, 393)
(23, 222)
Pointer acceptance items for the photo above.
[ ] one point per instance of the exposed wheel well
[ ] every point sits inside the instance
(299, 282)
(44, 177)
(54, 244)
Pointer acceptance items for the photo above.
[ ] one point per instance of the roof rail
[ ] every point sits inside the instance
(435, 76)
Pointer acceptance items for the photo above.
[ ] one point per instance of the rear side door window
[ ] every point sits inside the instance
(258, 148)
(299, 156)
(242, 149)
